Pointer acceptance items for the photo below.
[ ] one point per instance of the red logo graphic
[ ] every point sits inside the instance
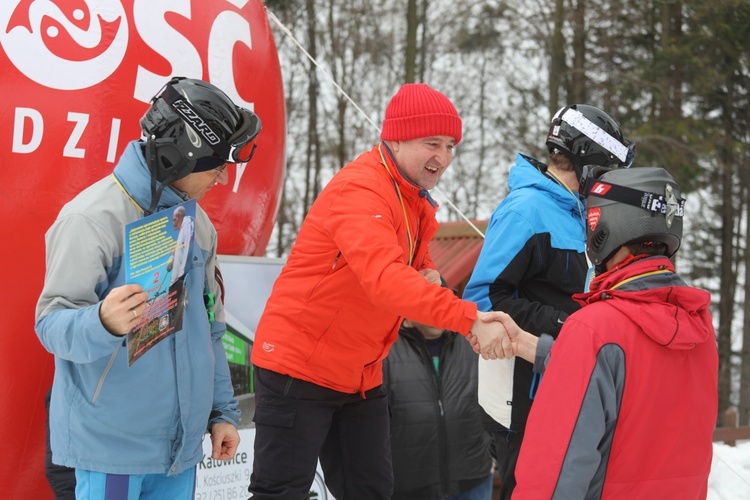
(601, 188)
(593, 215)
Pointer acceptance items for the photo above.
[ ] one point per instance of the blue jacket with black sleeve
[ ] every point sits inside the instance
(531, 263)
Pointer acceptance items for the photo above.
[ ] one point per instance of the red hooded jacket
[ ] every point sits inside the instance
(627, 405)
(337, 305)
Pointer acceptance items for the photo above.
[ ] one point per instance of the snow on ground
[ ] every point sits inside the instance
(730, 472)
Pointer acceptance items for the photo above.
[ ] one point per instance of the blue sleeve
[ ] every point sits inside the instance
(512, 253)
(506, 237)
(224, 400)
(79, 257)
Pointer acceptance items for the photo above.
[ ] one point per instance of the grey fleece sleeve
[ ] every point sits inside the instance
(585, 464)
(543, 349)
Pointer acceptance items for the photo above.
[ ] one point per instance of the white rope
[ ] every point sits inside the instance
(312, 59)
(288, 33)
(454, 207)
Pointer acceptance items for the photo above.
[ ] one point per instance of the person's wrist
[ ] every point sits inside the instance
(527, 347)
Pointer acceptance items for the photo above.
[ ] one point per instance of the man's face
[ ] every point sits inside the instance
(197, 184)
(424, 160)
(177, 220)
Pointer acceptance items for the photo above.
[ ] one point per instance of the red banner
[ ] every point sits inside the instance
(76, 78)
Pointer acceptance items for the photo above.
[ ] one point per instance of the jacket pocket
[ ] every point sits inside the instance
(276, 417)
(99, 385)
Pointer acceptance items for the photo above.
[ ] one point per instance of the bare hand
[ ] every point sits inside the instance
(492, 338)
(474, 341)
(523, 343)
(224, 440)
(431, 275)
(121, 309)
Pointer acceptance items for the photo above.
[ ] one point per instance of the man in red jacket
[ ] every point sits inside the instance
(628, 401)
(360, 264)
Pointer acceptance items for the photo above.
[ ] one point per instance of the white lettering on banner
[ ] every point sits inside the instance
(240, 169)
(238, 3)
(73, 48)
(37, 130)
(220, 68)
(114, 134)
(79, 58)
(151, 24)
(70, 150)
(100, 49)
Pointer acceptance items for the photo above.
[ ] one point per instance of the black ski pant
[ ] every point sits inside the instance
(297, 422)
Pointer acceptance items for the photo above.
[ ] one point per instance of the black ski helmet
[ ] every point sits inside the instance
(634, 205)
(192, 126)
(589, 136)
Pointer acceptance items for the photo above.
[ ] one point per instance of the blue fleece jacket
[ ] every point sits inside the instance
(107, 416)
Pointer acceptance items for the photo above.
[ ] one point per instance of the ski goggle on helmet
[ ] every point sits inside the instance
(589, 136)
(636, 205)
(219, 131)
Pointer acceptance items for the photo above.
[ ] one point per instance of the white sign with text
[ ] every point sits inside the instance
(228, 479)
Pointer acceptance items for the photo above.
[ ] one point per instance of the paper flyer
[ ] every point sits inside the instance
(157, 251)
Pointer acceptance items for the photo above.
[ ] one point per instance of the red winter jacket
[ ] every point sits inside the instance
(336, 307)
(627, 405)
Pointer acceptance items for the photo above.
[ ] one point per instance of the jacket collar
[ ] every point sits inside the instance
(133, 175)
(406, 185)
(655, 301)
(530, 172)
(626, 274)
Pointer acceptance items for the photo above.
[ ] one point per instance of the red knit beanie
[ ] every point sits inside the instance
(417, 110)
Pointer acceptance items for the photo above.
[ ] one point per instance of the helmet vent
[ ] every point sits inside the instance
(599, 238)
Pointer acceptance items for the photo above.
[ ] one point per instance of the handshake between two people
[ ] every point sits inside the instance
(494, 335)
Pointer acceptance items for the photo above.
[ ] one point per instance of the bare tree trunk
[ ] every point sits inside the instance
(578, 84)
(282, 222)
(480, 178)
(312, 160)
(745, 356)
(337, 51)
(423, 42)
(672, 21)
(557, 58)
(728, 279)
(412, 23)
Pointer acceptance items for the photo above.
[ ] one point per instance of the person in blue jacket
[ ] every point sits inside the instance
(533, 260)
(136, 431)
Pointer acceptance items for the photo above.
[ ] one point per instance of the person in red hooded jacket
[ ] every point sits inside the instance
(360, 264)
(628, 400)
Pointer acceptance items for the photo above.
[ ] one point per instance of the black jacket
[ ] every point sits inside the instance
(438, 440)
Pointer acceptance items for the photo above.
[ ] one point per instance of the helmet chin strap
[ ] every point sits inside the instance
(173, 174)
